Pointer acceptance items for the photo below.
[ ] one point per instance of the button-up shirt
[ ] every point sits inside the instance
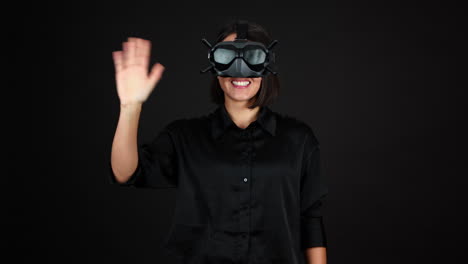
(244, 195)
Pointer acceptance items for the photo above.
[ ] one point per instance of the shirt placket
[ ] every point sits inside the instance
(248, 155)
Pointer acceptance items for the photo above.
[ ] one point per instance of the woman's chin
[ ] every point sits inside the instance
(240, 97)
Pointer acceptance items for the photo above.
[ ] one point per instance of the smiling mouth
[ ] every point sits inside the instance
(240, 84)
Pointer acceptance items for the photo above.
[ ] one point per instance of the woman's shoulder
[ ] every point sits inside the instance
(294, 125)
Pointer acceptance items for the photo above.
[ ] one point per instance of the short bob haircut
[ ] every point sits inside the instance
(269, 88)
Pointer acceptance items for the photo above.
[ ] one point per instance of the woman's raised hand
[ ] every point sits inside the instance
(134, 84)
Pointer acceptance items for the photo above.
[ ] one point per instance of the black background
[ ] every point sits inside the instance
(381, 85)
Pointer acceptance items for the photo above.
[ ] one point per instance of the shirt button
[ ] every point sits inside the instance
(245, 179)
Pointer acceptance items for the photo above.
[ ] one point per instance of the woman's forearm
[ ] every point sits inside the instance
(316, 255)
(124, 154)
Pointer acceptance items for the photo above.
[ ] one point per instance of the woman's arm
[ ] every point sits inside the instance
(314, 190)
(124, 156)
(134, 85)
(316, 255)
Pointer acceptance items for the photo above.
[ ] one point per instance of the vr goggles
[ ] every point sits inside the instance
(241, 57)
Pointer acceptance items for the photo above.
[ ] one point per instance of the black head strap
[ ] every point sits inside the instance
(242, 28)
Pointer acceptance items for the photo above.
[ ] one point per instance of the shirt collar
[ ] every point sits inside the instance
(221, 120)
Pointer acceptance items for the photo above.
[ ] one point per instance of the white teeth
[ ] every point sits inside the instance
(240, 83)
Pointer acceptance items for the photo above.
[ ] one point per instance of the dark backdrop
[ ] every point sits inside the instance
(379, 84)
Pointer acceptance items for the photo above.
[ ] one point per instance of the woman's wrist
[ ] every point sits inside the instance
(131, 106)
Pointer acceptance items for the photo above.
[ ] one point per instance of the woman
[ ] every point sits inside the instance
(249, 187)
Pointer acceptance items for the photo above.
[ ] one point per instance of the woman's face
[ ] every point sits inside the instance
(235, 88)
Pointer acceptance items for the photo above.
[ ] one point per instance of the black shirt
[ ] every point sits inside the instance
(249, 195)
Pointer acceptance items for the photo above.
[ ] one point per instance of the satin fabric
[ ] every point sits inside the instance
(250, 195)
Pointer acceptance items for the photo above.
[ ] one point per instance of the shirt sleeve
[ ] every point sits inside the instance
(157, 163)
(314, 189)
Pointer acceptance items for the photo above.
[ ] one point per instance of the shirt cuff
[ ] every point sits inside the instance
(313, 232)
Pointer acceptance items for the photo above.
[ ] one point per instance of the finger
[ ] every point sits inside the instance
(145, 52)
(117, 56)
(131, 45)
(124, 54)
(156, 73)
(139, 51)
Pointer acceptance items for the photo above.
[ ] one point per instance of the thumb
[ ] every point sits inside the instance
(156, 73)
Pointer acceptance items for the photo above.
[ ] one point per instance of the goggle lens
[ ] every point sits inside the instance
(224, 56)
(255, 56)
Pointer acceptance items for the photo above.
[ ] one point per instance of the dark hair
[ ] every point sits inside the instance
(269, 88)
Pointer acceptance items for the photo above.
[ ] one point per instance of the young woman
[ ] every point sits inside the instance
(248, 181)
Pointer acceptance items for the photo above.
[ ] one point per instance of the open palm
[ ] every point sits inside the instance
(134, 84)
